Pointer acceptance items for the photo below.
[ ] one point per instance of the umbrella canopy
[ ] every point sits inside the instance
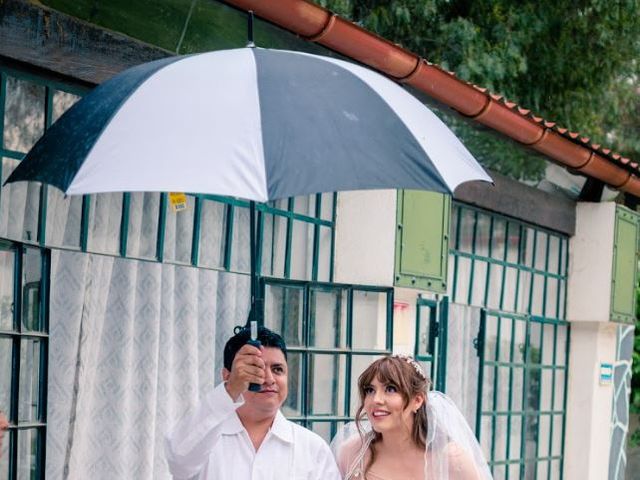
(253, 123)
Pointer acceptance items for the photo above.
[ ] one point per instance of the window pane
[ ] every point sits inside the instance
(23, 114)
(27, 454)
(292, 406)
(19, 206)
(64, 217)
(558, 399)
(240, 245)
(462, 275)
(327, 317)
(552, 304)
(284, 310)
(487, 391)
(526, 253)
(482, 235)
(548, 342)
(533, 389)
(537, 295)
(105, 217)
(554, 254)
(495, 286)
(556, 447)
(62, 101)
(274, 238)
(479, 286)
(178, 233)
(515, 436)
(498, 241)
(142, 233)
(326, 212)
(324, 254)
(326, 430)
(513, 242)
(517, 387)
(500, 446)
(213, 227)
(301, 250)
(358, 365)
(369, 320)
(543, 435)
(561, 341)
(506, 336)
(542, 468)
(541, 250)
(31, 279)
(465, 236)
(330, 372)
(424, 320)
(7, 263)
(503, 389)
(305, 205)
(6, 349)
(29, 380)
(508, 301)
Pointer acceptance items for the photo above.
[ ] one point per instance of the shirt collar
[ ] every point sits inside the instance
(281, 427)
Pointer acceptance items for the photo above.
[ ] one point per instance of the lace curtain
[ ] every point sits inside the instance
(133, 345)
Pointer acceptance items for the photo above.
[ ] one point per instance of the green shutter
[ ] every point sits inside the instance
(625, 266)
(422, 240)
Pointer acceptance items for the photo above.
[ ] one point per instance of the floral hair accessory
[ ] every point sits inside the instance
(410, 360)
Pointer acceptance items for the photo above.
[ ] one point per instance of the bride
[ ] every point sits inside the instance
(402, 432)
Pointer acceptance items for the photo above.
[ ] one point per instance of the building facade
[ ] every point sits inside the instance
(115, 307)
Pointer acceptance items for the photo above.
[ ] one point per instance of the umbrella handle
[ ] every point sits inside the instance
(254, 387)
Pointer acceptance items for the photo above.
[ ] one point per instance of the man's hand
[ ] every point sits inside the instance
(248, 367)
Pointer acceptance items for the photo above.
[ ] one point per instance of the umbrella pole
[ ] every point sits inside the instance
(256, 312)
(257, 302)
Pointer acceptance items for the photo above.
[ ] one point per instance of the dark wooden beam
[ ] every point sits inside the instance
(39, 36)
(521, 201)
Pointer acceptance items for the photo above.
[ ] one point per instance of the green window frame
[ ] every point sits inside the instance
(517, 273)
(321, 323)
(24, 342)
(296, 236)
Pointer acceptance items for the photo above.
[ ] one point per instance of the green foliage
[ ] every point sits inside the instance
(571, 62)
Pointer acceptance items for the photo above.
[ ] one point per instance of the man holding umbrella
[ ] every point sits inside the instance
(238, 434)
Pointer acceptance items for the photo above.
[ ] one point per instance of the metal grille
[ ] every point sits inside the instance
(333, 332)
(517, 272)
(23, 358)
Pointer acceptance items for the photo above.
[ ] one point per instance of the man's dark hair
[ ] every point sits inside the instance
(266, 337)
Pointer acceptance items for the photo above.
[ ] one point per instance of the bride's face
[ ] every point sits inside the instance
(385, 408)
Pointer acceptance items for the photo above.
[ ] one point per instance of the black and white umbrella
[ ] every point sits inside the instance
(253, 123)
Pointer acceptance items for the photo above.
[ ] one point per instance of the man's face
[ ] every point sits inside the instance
(275, 388)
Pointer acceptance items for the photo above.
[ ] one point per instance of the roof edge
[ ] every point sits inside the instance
(569, 149)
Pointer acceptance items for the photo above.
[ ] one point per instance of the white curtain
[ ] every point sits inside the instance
(462, 359)
(133, 345)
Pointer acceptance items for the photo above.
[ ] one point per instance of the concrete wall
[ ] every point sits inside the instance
(591, 263)
(365, 237)
(589, 404)
(593, 341)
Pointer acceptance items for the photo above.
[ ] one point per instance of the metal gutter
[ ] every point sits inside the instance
(568, 149)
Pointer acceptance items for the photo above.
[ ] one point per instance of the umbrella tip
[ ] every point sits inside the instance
(250, 43)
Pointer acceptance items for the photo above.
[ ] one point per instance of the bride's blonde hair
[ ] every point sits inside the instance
(407, 376)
